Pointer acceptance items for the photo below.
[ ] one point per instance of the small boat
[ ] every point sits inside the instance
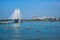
(38, 31)
(21, 29)
(28, 28)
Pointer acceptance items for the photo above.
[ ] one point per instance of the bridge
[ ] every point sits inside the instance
(14, 18)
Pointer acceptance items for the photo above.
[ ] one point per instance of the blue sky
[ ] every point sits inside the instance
(30, 8)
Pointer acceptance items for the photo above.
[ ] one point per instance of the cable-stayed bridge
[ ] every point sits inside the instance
(14, 18)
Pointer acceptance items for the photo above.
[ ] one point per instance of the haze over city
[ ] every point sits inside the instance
(30, 8)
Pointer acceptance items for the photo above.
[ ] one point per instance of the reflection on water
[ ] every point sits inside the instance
(30, 31)
(16, 25)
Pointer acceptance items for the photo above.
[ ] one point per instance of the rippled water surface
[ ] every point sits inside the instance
(30, 31)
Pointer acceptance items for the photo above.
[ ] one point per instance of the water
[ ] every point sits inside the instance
(30, 31)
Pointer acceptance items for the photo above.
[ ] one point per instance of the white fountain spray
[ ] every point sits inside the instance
(16, 14)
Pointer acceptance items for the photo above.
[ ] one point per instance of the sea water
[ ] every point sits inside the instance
(30, 31)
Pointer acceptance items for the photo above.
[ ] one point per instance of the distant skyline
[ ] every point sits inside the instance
(30, 8)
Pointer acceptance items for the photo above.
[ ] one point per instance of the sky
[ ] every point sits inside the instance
(30, 8)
